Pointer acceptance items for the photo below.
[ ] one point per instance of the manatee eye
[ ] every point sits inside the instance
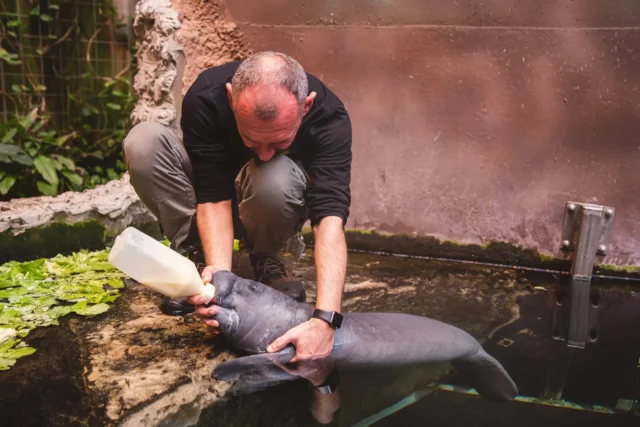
(255, 287)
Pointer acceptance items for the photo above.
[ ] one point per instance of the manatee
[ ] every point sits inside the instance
(252, 315)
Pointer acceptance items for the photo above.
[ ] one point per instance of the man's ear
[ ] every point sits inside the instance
(309, 102)
(229, 95)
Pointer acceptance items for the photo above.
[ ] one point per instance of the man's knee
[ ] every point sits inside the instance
(274, 187)
(144, 139)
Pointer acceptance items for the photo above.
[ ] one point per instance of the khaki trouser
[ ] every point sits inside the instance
(269, 208)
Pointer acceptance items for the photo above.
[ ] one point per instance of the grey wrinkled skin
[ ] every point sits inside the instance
(252, 315)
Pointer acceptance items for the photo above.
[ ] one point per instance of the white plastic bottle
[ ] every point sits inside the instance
(157, 266)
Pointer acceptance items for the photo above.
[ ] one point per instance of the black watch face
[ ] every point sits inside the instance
(337, 320)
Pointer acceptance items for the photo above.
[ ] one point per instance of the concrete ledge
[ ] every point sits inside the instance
(503, 253)
(38, 227)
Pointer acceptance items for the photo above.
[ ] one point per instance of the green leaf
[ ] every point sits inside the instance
(13, 23)
(56, 164)
(73, 177)
(92, 310)
(12, 33)
(8, 137)
(23, 159)
(116, 92)
(16, 88)
(35, 11)
(64, 138)
(13, 292)
(46, 167)
(2, 174)
(12, 153)
(84, 112)
(54, 7)
(40, 88)
(6, 184)
(39, 51)
(112, 174)
(47, 189)
(19, 352)
(114, 107)
(65, 161)
(46, 17)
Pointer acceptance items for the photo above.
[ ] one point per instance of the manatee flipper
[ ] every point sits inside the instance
(488, 377)
(256, 362)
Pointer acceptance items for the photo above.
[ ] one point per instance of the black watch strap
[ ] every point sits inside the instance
(330, 384)
(333, 318)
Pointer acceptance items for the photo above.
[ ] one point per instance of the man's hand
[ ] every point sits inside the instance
(314, 371)
(312, 339)
(202, 311)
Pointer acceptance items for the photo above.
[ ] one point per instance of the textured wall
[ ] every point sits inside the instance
(160, 61)
(473, 120)
(476, 120)
(208, 35)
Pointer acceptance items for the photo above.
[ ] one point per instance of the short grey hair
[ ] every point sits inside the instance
(288, 74)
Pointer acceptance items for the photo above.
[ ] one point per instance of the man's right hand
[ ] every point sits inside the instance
(202, 311)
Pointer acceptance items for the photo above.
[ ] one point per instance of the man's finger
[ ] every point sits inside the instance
(282, 342)
(207, 276)
(205, 312)
(211, 322)
(196, 300)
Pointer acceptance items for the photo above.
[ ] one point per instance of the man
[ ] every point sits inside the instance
(266, 147)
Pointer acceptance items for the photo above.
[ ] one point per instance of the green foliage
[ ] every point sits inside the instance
(37, 293)
(67, 128)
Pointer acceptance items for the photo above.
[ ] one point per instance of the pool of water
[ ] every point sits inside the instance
(598, 385)
(79, 376)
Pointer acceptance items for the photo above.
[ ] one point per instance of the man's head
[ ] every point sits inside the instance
(269, 96)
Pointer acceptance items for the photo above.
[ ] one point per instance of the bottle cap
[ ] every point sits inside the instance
(209, 292)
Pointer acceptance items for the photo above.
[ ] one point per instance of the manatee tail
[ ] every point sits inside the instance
(488, 377)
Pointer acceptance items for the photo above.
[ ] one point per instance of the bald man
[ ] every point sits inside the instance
(266, 147)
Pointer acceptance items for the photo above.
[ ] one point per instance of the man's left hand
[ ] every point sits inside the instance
(312, 339)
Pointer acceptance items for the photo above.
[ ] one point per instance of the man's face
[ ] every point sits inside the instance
(266, 138)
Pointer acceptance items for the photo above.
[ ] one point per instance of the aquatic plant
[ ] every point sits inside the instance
(37, 293)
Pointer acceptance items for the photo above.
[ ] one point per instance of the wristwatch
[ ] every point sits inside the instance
(330, 385)
(333, 318)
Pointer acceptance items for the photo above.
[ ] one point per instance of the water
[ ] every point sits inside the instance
(69, 382)
(598, 385)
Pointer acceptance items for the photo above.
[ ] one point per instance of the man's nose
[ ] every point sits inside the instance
(265, 154)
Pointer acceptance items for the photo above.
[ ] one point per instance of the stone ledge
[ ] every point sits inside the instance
(45, 226)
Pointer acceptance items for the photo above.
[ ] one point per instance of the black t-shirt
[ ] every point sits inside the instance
(217, 153)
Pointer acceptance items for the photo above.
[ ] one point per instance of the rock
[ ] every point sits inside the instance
(45, 226)
(158, 79)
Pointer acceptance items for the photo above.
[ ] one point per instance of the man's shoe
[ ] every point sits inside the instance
(176, 306)
(272, 270)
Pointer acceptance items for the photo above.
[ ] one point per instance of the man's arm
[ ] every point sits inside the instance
(215, 225)
(331, 262)
(328, 198)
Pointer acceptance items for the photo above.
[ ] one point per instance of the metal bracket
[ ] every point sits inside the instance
(586, 233)
(571, 229)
